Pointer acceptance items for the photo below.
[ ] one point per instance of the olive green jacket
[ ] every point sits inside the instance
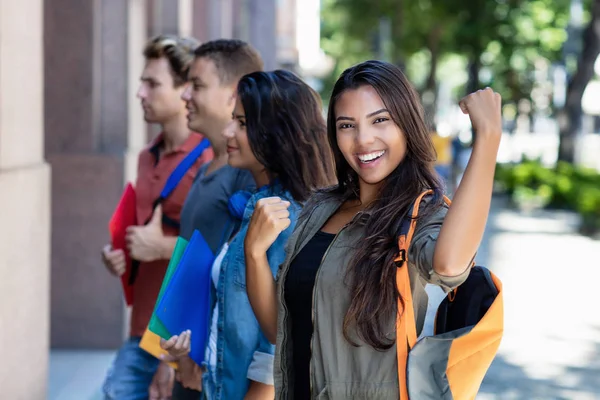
(338, 369)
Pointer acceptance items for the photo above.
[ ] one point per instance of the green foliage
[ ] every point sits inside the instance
(507, 37)
(344, 39)
(529, 32)
(565, 186)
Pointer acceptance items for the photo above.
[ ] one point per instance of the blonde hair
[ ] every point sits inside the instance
(178, 51)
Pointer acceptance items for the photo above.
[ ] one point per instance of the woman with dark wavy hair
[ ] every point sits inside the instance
(278, 134)
(333, 309)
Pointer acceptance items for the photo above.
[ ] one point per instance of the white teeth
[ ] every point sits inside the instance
(370, 156)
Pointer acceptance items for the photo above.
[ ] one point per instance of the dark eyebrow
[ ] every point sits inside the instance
(343, 118)
(377, 112)
(238, 116)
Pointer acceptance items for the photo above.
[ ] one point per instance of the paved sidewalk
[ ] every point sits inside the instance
(551, 346)
(77, 374)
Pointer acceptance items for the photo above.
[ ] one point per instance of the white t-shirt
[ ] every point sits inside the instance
(261, 367)
(211, 349)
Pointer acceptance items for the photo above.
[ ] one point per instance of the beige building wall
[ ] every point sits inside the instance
(24, 204)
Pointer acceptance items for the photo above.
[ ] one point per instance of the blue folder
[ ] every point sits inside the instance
(186, 301)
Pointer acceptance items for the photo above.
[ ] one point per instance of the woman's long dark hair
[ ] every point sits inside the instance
(286, 130)
(372, 272)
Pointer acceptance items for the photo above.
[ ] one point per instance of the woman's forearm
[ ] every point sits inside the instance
(260, 391)
(262, 293)
(464, 225)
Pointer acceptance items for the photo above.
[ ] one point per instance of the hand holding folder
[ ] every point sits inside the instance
(151, 339)
(156, 326)
(185, 303)
(151, 344)
(123, 217)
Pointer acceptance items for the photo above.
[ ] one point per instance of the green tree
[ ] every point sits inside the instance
(569, 117)
(505, 39)
(352, 31)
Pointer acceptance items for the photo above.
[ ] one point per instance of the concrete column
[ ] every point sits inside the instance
(262, 28)
(173, 17)
(93, 132)
(240, 20)
(24, 204)
(227, 18)
(251, 20)
(186, 18)
(163, 17)
(136, 129)
(287, 51)
(200, 20)
(217, 19)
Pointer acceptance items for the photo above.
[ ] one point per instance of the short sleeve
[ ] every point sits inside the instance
(422, 248)
(261, 366)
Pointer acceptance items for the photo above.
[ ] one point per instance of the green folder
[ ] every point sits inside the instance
(155, 324)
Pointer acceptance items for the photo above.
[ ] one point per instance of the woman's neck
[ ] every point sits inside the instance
(261, 178)
(368, 193)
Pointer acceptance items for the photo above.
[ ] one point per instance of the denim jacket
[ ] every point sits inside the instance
(240, 338)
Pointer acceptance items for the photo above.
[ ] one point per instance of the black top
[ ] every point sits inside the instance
(299, 284)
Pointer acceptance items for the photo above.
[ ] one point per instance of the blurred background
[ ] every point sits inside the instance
(71, 129)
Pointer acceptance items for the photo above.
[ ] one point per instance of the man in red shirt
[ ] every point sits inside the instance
(164, 78)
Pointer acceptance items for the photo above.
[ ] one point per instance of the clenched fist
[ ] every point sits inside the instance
(484, 108)
(270, 218)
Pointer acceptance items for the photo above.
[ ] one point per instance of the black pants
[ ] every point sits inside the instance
(181, 393)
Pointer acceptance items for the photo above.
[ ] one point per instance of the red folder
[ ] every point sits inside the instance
(123, 217)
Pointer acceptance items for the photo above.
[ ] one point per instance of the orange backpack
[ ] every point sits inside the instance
(469, 325)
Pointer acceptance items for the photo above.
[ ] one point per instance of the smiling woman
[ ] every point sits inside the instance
(379, 146)
(332, 312)
(380, 116)
(278, 132)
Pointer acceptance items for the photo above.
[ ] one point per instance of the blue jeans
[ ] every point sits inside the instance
(181, 393)
(131, 373)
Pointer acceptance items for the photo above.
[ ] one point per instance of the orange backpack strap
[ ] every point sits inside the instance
(406, 329)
